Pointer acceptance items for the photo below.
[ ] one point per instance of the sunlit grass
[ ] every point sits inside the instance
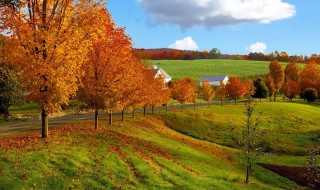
(138, 154)
(290, 127)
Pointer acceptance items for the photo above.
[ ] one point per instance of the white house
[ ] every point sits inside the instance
(161, 72)
(215, 80)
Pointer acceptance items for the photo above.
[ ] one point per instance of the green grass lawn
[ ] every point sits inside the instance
(138, 154)
(195, 69)
(290, 127)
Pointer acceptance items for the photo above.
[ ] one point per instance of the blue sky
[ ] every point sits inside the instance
(233, 26)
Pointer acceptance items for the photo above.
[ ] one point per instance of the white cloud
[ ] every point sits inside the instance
(258, 47)
(186, 43)
(210, 13)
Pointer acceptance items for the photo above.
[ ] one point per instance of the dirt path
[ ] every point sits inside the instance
(296, 174)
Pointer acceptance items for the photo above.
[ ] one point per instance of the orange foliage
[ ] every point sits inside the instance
(250, 89)
(277, 74)
(49, 41)
(155, 90)
(270, 85)
(221, 91)
(207, 91)
(235, 88)
(291, 88)
(292, 72)
(184, 90)
(310, 71)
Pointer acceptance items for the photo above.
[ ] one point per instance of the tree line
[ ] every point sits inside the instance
(215, 53)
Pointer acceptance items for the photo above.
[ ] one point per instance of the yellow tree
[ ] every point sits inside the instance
(277, 74)
(207, 92)
(184, 90)
(50, 39)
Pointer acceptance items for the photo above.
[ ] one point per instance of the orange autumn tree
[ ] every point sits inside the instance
(309, 76)
(99, 71)
(291, 88)
(184, 90)
(156, 91)
(250, 88)
(292, 72)
(131, 97)
(221, 92)
(50, 39)
(277, 74)
(120, 70)
(235, 89)
(207, 92)
(270, 85)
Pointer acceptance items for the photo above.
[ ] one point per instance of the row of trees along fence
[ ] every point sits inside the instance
(57, 49)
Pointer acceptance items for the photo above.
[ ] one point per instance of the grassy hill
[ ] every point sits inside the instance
(290, 127)
(146, 153)
(195, 69)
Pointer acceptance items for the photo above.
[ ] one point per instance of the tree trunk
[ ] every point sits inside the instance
(221, 102)
(122, 115)
(133, 114)
(45, 127)
(166, 108)
(110, 117)
(194, 105)
(144, 111)
(182, 107)
(208, 104)
(248, 170)
(96, 119)
(274, 98)
(235, 101)
(152, 109)
(6, 113)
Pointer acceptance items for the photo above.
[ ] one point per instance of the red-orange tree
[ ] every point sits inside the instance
(291, 88)
(50, 39)
(309, 76)
(207, 92)
(184, 90)
(292, 72)
(235, 89)
(277, 74)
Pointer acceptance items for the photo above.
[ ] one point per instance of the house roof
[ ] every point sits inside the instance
(213, 78)
(165, 74)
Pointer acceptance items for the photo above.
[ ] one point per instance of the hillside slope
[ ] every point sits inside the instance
(137, 154)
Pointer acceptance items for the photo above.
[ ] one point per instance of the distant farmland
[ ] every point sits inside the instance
(195, 69)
